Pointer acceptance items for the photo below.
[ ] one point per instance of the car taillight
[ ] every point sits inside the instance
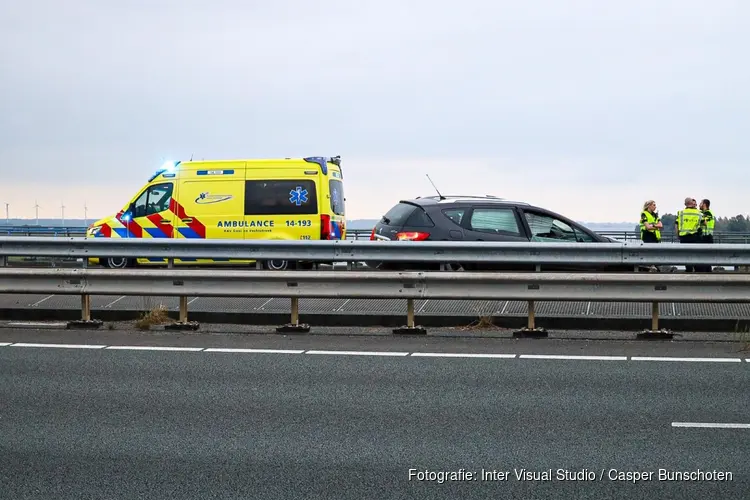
(325, 227)
(412, 236)
(372, 235)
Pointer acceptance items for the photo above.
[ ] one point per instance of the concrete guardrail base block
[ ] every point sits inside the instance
(188, 325)
(292, 328)
(410, 330)
(533, 333)
(91, 324)
(662, 334)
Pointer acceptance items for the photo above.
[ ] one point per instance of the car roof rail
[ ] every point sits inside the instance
(460, 196)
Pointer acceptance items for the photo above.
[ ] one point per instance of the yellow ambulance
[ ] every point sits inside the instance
(278, 199)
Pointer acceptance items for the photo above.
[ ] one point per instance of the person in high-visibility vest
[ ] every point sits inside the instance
(650, 223)
(708, 221)
(688, 225)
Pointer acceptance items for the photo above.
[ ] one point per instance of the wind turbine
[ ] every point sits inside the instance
(62, 206)
(85, 214)
(36, 207)
(7, 214)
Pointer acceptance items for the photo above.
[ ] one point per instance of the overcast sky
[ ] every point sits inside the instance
(587, 107)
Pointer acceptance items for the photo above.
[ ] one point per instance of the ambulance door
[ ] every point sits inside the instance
(211, 206)
(150, 215)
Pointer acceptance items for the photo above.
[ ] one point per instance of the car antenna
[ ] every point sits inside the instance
(436, 189)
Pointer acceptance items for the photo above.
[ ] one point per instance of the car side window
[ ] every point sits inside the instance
(495, 221)
(455, 214)
(154, 200)
(547, 228)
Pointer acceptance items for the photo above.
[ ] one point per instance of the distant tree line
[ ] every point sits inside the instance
(736, 224)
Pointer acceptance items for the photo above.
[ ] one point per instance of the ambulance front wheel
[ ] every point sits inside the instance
(118, 263)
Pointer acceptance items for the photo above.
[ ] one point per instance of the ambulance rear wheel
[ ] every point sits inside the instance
(117, 263)
(278, 265)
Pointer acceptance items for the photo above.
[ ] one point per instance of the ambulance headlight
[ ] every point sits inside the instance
(93, 231)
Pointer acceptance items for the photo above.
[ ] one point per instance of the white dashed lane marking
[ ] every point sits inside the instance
(153, 348)
(460, 355)
(260, 351)
(710, 425)
(59, 346)
(574, 358)
(359, 353)
(700, 360)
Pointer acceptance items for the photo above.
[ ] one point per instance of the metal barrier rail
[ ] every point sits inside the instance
(294, 285)
(42, 231)
(364, 234)
(537, 254)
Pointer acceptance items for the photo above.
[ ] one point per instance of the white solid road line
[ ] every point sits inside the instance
(374, 353)
(153, 348)
(560, 356)
(360, 353)
(60, 346)
(262, 351)
(460, 355)
(702, 360)
(710, 425)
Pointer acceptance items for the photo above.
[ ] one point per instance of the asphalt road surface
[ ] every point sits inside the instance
(117, 418)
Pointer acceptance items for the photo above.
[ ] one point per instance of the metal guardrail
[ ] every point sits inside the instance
(364, 234)
(42, 231)
(435, 252)
(595, 287)
(294, 285)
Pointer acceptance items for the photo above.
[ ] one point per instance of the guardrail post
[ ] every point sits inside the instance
(183, 309)
(295, 326)
(183, 323)
(85, 321)
(531, 329)
(3, 261)
(410, 328)
(654, 333)
(86, 307)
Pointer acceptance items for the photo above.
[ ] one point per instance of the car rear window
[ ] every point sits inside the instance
(398, 215)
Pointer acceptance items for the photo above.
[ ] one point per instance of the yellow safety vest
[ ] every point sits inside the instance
(708, 222)
(650, 219)
(688, 221)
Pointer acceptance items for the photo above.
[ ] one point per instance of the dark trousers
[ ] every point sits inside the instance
(690, 238)
(648, 237)
(705, 239)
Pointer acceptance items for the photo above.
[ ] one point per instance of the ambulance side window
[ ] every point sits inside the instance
(154, 200)
(281, 197)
